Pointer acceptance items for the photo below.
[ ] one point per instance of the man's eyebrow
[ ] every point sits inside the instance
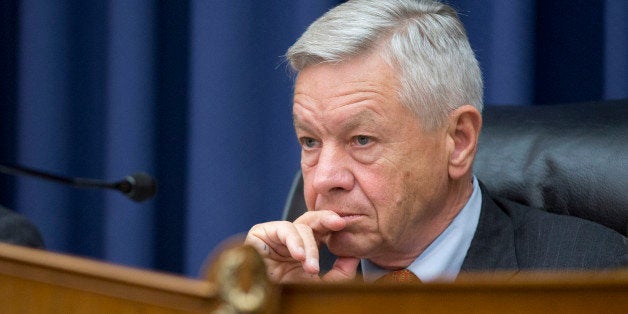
(296, 123)
(364, 117)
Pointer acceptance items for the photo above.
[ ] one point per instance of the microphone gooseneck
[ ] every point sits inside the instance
(138, 187)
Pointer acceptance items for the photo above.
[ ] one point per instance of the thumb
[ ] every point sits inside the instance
(344, 269)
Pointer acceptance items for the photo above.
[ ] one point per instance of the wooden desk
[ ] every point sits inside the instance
(35, 281)
(525, 293)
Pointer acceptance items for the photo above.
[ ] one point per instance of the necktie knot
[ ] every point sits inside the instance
(399, 276)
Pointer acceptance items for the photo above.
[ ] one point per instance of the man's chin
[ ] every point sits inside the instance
(344, 244)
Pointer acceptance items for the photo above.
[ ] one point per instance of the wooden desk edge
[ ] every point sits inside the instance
(72, 265)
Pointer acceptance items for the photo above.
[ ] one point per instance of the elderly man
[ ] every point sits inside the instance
(387, 108)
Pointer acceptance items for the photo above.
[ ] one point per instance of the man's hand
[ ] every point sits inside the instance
(290, 250)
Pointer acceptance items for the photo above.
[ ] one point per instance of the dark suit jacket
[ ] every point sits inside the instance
(513, 237)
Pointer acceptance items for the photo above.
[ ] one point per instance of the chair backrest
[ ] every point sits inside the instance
(569, 159)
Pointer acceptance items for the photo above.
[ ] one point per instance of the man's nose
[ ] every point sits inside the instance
(332, 172)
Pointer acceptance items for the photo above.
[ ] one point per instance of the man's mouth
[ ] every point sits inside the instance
(350, 217)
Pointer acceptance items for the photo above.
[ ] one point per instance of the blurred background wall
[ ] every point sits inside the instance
(197, 94)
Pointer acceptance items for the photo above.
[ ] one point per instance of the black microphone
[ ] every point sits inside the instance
(138, 187)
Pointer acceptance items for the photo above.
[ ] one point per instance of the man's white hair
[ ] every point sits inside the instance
(423, 40)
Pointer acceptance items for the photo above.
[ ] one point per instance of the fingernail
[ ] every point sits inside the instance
(313, 262)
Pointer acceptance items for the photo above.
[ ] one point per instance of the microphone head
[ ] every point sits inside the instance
(138, 187)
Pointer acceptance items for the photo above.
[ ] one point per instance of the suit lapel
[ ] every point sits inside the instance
(493, 245)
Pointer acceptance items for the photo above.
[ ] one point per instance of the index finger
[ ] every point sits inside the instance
(322, 221)
(280, 237)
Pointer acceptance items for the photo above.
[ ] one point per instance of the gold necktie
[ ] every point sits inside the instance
(399, 276)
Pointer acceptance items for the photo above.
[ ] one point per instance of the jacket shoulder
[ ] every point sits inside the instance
(545, 240)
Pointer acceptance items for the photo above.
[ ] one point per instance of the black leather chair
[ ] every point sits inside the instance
(570, 159)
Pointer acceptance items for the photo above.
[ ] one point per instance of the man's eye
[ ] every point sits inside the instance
(362, 140)
(309, 142)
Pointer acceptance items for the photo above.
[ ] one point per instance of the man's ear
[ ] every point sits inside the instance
(465, 124)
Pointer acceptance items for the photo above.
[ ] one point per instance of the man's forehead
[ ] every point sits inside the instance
(350, 119)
